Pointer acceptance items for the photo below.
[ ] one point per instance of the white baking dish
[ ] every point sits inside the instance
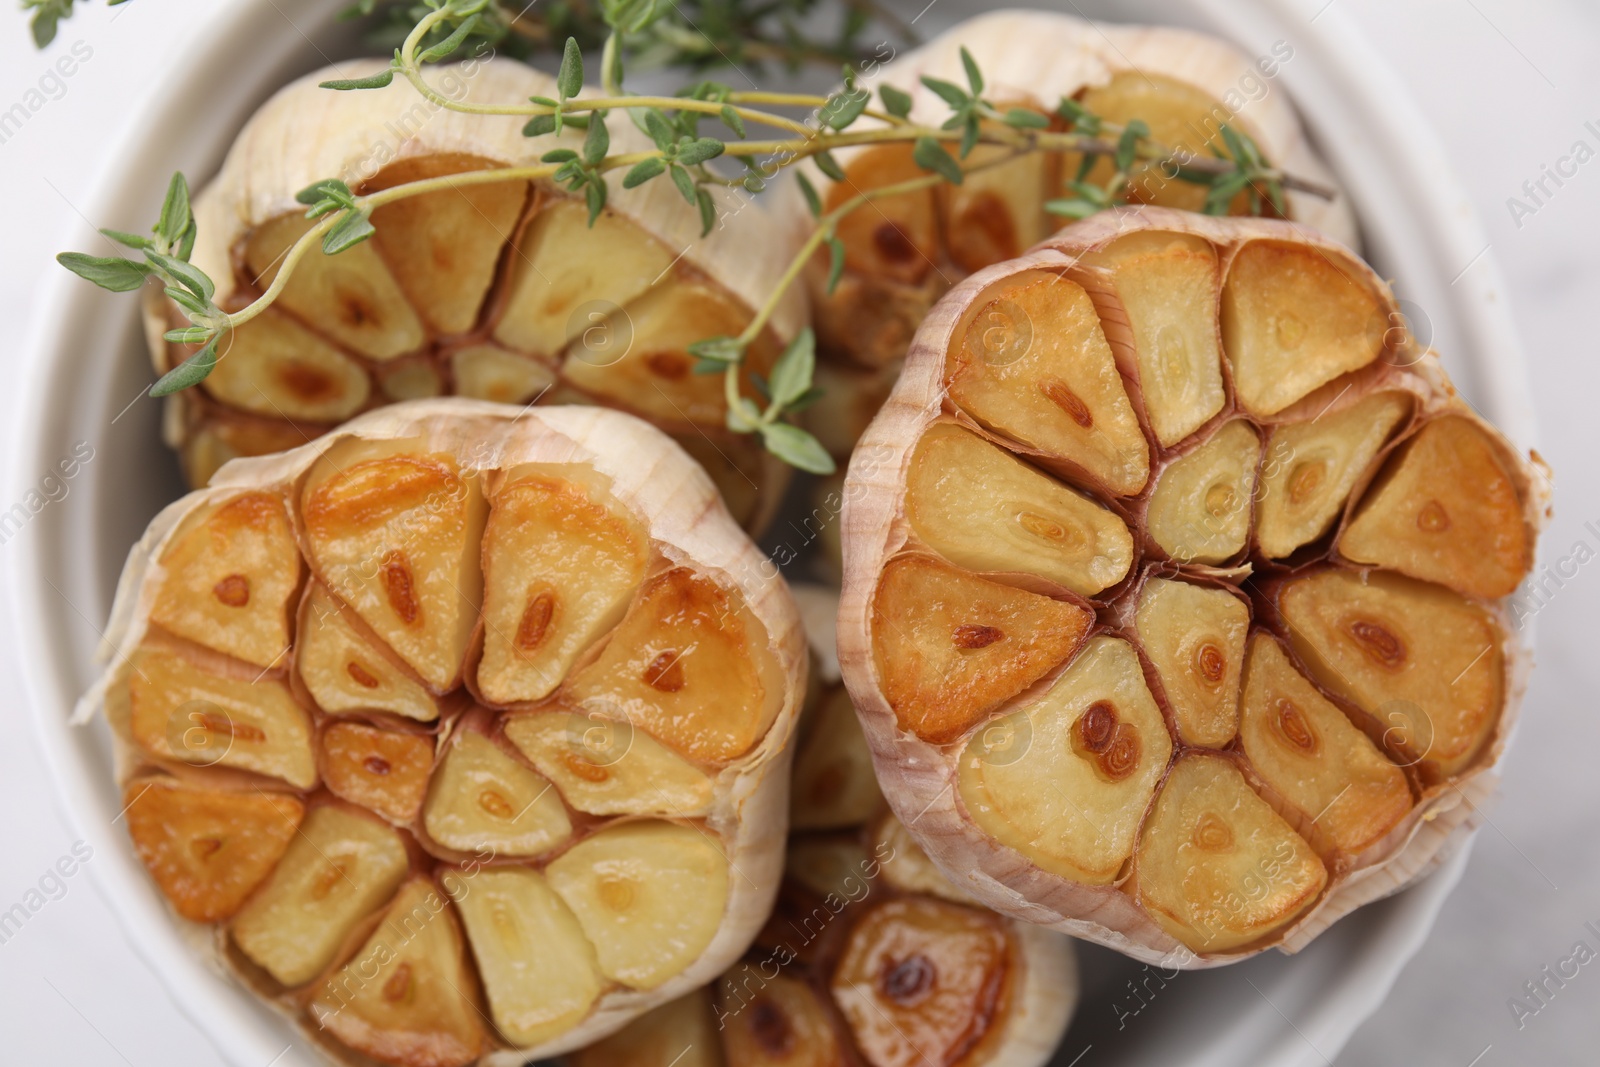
(85, 364)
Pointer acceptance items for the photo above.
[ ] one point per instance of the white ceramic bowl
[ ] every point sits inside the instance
(85, 371)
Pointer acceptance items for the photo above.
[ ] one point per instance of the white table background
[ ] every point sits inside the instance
(1507, 85)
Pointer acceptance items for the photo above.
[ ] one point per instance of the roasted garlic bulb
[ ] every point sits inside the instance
(467, 731)
(1174, 588)
(902, 252)
(499, 291)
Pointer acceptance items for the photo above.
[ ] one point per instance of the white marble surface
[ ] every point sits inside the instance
(1508, 86)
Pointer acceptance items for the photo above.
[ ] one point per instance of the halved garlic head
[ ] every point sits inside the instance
(497, 291)
(495, 754)
(1294, 662)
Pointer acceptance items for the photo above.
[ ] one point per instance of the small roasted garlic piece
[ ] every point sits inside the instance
(497, 291)
(467, 728)
(857, 968)
(1170, 590)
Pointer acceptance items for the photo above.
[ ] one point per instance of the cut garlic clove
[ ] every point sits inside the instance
(681, 1033)
(344, 671)
(179, 711)
(997, 212)
(406, 996)
(352, 297)
(1445, 509)
(339, 868)
(1168, 285)
(395, 535)
(206, 848)
(1076, 769)
(1200, 509)
(1217, 867)
(539, 972)
(905, 866)
(605, 767)
(1195, 638)
(649, 896)
(443, 247)
(229, 576)
(914, 976)
(982, 509)
(1294, 318)
(638, 358)
(782, 1023)
(567, 277)
(679, 667)
(1309, 753)
(382, 770)
(482, 798)
(489, 372)
(1423, 661)
(275, 367)
(1310, 468)
(896, 237)
(1033, 364)
(561, 561)
(951, 646)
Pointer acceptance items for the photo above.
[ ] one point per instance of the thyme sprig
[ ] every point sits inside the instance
(683, 153)
(691, 34)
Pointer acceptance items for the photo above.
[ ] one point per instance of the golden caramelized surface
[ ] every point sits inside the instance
(1217, 867)
(1298, 651)
(1292, 320)
(981, 508)
(340, 867)
(501, 291)
(1194, 636)
(1310, 468)
(539, 972)
(1424, 662)
(1316, 759)
(181, 712)
(229, 576)
(681, 667)
(649, 896)
(1075, 769)
(559, 569)
(206, 848)
(784, 1022)
(407, 995)
(1445, 510)
(1033, 364)
(952, 646)
(680, 1033)
(384, 770)
(395, 535)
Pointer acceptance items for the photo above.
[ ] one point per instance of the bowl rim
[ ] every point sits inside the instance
(1421, 234)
